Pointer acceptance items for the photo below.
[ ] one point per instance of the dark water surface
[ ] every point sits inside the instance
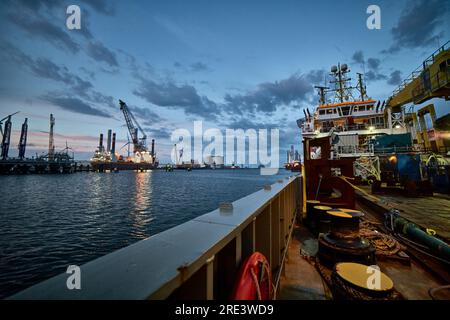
(51, 221)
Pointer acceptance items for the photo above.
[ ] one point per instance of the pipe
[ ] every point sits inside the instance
(113, 145)
(100, 143)
(108, 141)
(153, 147)
(411, 230)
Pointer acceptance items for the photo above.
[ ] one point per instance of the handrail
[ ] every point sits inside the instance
(198, 259)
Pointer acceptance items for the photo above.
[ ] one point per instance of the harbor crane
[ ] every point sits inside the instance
(23, 139)
(6, 135)
(140, 144)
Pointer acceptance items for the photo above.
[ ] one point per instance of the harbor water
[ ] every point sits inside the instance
(49, 222)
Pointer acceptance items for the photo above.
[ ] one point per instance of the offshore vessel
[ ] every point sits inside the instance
(109, 160)
(354, 121)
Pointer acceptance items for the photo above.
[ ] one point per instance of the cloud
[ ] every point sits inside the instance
(146, 114)
(373, 63)
(75, 105)
(101, 6)
(34, 5)
(199, 66)
(42, 28)
(316, 76)
(417, 26)
(97, 51)
(168, 94)
(374, 76)
(395, 78)
(45, 69)
(269, 95)
(358, 57)
(156, 134)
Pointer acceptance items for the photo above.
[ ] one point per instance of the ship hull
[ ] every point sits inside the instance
(119, 166)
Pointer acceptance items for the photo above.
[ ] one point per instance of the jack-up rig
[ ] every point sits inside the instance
(52, 162)
(109, 160)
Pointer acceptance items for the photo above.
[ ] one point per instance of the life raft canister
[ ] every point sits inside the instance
(254, 281)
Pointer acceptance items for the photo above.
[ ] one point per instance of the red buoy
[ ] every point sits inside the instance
(254, 281)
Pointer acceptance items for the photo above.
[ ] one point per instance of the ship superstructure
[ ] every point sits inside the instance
(352, 119)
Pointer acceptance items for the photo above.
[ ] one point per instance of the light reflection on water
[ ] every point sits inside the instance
(51, 221)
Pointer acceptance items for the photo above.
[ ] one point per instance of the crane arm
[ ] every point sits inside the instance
(131, 124)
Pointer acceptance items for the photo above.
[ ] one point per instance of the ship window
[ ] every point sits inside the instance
(362, 108)
(330, 111)
(355, 108)
(334, 110)
(369, 107)
(315, 153)
(321, 111)
(345, 111)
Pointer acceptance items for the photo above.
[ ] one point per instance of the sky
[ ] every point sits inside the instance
(231, 64)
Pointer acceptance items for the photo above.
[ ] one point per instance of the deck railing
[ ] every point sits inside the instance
(198, 259)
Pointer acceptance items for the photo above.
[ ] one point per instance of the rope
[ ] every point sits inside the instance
(357, 188)
(255, 280)
(384, 244)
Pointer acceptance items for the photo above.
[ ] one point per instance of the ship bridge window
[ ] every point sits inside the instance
(369, 107)
(330, 111)
(321, 112)
(355, 108)
(345, 111)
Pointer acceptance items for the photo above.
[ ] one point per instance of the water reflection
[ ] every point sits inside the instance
(141, 215)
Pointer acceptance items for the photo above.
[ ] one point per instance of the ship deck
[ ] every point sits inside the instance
(427, 211)
(302, 281)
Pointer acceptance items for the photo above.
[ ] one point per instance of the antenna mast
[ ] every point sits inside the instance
(342, 89)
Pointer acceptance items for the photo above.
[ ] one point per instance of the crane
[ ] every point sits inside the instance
(6, 135)
(23, 139)
(1, 121)
(430, 80)
(140, 144)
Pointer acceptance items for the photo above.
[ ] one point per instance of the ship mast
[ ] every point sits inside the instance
(321, 94)
(361, 87)
(342, 89)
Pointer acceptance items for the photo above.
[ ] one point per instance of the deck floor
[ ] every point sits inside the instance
(301, 281)
(428, 212)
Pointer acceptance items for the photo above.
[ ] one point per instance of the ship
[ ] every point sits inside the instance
(107, 159)
(354, 121)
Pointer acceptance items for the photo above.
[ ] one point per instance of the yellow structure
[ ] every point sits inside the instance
(427, 137)
(431, 80)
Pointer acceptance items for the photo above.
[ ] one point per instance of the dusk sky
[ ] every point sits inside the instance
(232, 64)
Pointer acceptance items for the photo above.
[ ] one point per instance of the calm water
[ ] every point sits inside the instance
(51, 221)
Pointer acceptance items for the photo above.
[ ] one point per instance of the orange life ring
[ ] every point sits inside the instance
(254, 281)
